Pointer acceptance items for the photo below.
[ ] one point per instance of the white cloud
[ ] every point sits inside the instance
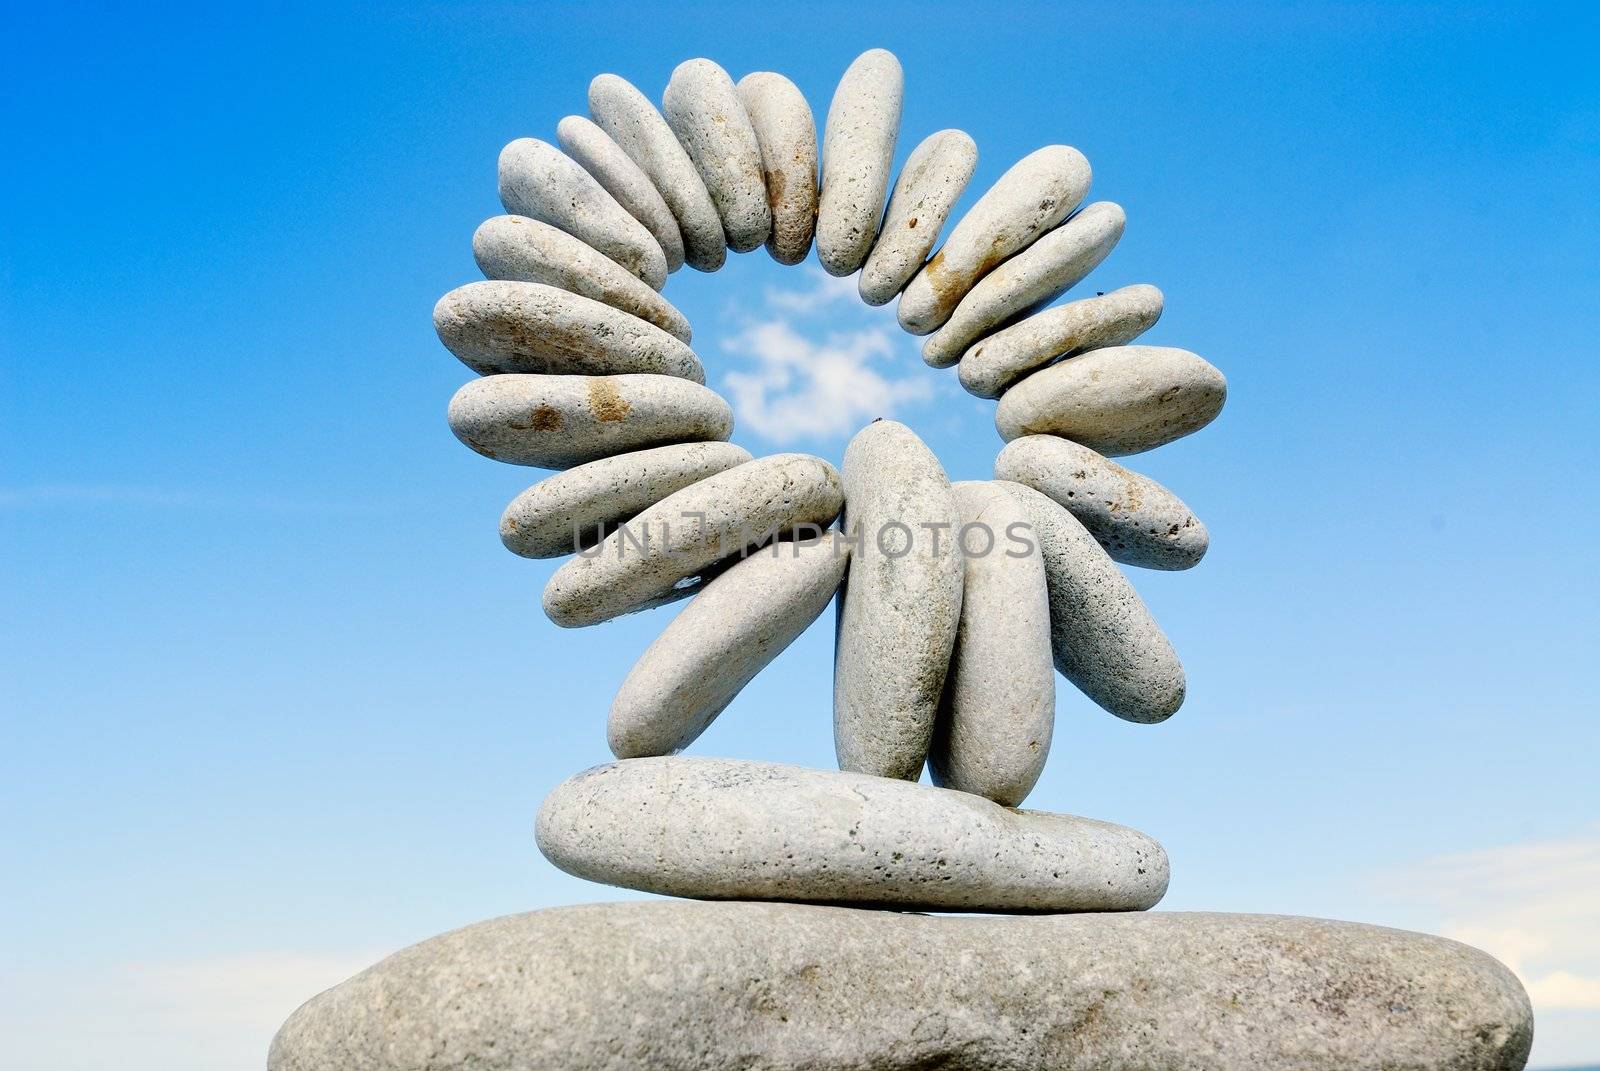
(824, 290)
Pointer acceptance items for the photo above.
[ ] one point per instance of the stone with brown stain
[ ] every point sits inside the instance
(929, 185)
(787, 134)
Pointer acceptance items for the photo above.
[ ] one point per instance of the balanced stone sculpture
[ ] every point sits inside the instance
(794, 941)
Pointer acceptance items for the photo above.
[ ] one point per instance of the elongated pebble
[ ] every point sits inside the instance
(736, 625)
(575, 509)
(992, 364)
(690, 530)
(634, 124)
(624, 180)
(787, 134)
(703, 109)
(929, 185)
(857, 159)
(537, 180)
(1137, 520)
(506, 326)
(994, 726)
(1102, 636)
(1039, 191)
(1119, 400)
(1033, 278)
(901, 603)
(555, 422)
(520, 249)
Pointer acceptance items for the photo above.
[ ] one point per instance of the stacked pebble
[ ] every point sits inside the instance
(957, 606)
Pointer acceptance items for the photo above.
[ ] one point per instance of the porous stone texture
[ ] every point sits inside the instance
(1033, 278)
(1103, 638)
(739, 622)
(524, 250)
(930, 183)
(685, 986)
(787, 134)
(689, 531)
(857, 158)
(993, 732)
(624, 180)
(731, 829)
(555, 422)
(538, 181)
(900, 605)
(627, 115)
(1039, 191)
(504, 326)
(1113, 319)
(703, 109)
(577, 508)
(1138, 521)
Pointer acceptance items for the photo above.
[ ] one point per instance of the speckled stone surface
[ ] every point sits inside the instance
(732, 829)
(901, 602)
(579, 507)
(537, 180)
(1119, 400)
(685, 986)
(555, 422)
(1103, 638)
(504, 326)
(999, 705)
(624, 180)
(1138, 521)
(857, 159)
(524, 250)
(703, 109)
(930, 183)
(1112, 319)
(689, 531)
(787, 133)
(736, 625)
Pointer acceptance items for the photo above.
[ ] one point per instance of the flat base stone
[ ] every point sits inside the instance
(687, 986)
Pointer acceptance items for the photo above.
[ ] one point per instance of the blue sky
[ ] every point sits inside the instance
(277, 702)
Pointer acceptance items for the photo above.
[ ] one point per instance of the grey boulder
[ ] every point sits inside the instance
(930, 183)
(703, 108)
(624, 180)
(1112, 319)
(858, 158)
(787, 134)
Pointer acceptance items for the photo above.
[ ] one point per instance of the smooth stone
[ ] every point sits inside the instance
(787, 134)
(688, 532)
(575, 509)
(634, 124)
(999, 706)
(1138, 521)
(555, 422)
(537, 180)
(901, 602)
(1039, 191)
(524, 250)
(1112, 319)
(624, 180)
(857, 159)
(929, 185)
(1119, 400)
(703, 109)
(732, 829)
(1103, 638)
(501, 325)
(679, 985)
(1033, 278)
(736, 625)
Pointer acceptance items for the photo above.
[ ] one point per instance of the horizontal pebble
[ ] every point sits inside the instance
(624, 180)
(575, 509)
(858, 158)
(1033, 278)
(1039, 191)
(1119, 400)
(1113, 319)
(787, 133)
(736, 625)
(689, 531)
(929, 185)
(524, 250)
(703, 109)
(537, 180)
(505, 326)
(1138, 521)
(555, 422)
